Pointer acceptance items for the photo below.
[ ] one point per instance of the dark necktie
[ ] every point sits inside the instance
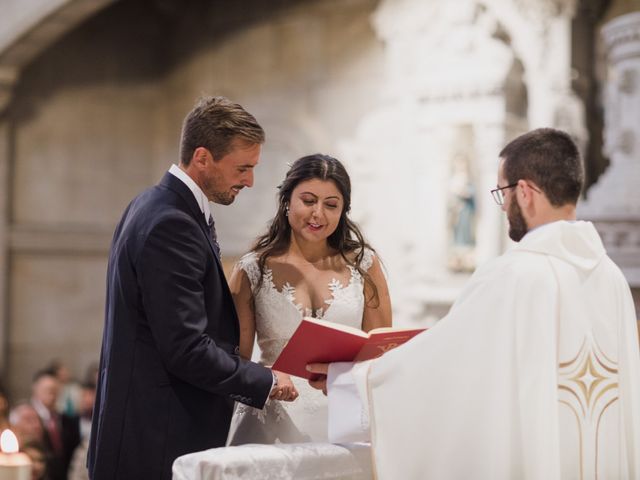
(54, 435)
(214, 237)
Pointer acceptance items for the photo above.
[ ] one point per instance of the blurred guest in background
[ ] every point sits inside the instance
(38, 455)
(91, 374)
(26, 424)
(69, 392)
(78, 468)
(85, 408)
(4, 409)
(61, 431)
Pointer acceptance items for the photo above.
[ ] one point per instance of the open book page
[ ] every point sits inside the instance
(392, 329)
(337, 326)
(361, 333)
(324, 342)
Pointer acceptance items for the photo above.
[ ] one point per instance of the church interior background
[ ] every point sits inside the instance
(416, 97)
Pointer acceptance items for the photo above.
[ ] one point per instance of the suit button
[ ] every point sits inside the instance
(236, 350)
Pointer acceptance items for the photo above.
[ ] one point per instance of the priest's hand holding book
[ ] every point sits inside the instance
(320, 372)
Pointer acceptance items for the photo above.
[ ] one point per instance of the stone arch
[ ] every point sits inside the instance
(32, 26)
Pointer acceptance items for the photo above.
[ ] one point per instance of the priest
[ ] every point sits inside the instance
(535, 371)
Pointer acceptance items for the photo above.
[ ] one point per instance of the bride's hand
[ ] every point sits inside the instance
(286, 390)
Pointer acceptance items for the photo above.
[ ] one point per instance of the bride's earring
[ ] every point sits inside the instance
(286, 211)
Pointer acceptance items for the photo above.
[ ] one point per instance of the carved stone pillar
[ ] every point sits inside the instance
(27, 28)
(426, 158)
(4, 234)
(613, 203)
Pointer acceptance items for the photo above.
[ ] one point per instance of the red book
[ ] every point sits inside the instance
(325, 342)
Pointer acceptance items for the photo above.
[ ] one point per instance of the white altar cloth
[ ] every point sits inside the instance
(300, 461)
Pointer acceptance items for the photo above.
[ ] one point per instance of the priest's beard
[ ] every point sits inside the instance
(517, 224)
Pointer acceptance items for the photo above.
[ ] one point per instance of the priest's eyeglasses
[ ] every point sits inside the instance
(497, 194)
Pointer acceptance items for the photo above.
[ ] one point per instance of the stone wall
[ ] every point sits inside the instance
(96, 118)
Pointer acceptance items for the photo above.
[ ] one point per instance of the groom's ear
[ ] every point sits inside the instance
(200, 157)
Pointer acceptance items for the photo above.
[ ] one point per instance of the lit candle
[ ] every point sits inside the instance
(14, 465)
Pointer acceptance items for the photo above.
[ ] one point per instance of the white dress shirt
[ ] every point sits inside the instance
(201, 198)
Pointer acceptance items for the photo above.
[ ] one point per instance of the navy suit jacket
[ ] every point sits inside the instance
(169, 368)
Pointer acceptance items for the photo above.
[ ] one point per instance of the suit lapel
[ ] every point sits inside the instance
(173, 183)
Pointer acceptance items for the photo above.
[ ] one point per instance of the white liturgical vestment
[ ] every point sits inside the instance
(533, 374)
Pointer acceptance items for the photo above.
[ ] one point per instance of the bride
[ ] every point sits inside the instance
(313, 261)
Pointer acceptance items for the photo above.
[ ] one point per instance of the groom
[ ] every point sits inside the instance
(170, 369)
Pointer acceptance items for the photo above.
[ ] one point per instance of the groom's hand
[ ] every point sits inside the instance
(319, 380)
(284, 390)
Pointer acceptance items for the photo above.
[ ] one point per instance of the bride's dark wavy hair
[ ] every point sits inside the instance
(346, 238)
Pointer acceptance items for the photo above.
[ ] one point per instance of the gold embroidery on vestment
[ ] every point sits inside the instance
(588, 386)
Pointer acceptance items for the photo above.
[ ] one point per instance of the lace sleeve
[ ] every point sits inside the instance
(367, 259)
(249, 264)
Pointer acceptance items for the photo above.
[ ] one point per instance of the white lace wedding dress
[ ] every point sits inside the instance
(277, 315)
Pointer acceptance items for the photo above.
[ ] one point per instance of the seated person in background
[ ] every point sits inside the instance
(69, 392)
(535, 371)
(61, 432)
(38, 456)
(85, 408)
(4, 409)
(26, 424)
(78, 468)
